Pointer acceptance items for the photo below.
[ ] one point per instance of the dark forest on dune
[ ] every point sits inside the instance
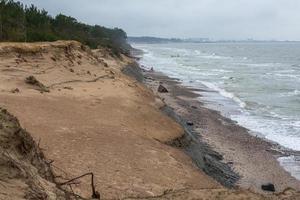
(19, 23)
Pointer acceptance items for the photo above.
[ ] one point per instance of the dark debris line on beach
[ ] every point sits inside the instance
(202, 155)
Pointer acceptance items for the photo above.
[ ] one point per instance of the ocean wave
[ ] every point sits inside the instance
(290, 94)
(197, 52)
(177, 51)
(296, 124)
(221, 70)
(210, 56)
(200, 69)
(285, 71)
(291, 164)
(224, 93)
(296, 76)
(272, 129)
(214, 56)
(259, 64)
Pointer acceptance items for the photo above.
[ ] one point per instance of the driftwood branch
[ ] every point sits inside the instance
(82, 81)
(95, 194)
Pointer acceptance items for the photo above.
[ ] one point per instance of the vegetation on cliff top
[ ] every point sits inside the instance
(19, 23)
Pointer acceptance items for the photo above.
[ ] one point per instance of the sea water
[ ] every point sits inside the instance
(255, 84)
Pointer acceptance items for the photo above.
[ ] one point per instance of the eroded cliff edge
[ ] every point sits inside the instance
(87, 116)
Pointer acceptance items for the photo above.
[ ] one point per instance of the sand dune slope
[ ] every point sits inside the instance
(89, 117)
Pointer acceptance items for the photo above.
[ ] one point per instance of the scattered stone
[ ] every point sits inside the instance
(16, 90)
(194, 107)
(149, 78)
(162, 89)
(268, 187)
(53, 58)
(72, 70)
(68, 88)
(31, 80)
(189, 123)
(88, 72)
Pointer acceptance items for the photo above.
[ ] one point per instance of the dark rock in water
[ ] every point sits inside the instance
(189, 123)
(268, 187)
(162, 89)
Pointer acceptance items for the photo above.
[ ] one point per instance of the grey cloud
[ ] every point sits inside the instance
(219, 19)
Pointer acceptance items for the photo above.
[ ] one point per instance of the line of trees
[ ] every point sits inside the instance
(20, 23)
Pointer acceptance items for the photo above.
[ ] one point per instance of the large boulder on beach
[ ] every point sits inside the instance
(162, 89)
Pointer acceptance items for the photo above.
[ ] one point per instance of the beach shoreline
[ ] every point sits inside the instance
(88, 116)
(253, 159)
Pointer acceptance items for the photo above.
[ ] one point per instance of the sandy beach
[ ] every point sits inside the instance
(86, 114)
(252, 158)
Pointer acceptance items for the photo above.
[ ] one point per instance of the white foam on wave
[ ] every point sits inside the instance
(272, 129)
(214, 56)
(295, 76)
(291, 164)
(290, 142)
(177, 52)
(221, 70)
(197, 52)
(259, 64)
(272, 126)
(209, 56)
(224, 93)
(290, 94)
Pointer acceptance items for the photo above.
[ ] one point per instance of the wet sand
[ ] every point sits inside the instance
(252, 158)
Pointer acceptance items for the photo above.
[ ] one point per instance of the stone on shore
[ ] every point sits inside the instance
(189, 123)
(268, 187)
(162, 89)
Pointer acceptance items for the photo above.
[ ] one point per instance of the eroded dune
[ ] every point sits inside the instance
(87, 116)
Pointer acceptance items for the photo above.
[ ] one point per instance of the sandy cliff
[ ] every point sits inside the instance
(87, 116)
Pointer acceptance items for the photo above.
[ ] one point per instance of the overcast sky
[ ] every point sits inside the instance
(215, 19)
